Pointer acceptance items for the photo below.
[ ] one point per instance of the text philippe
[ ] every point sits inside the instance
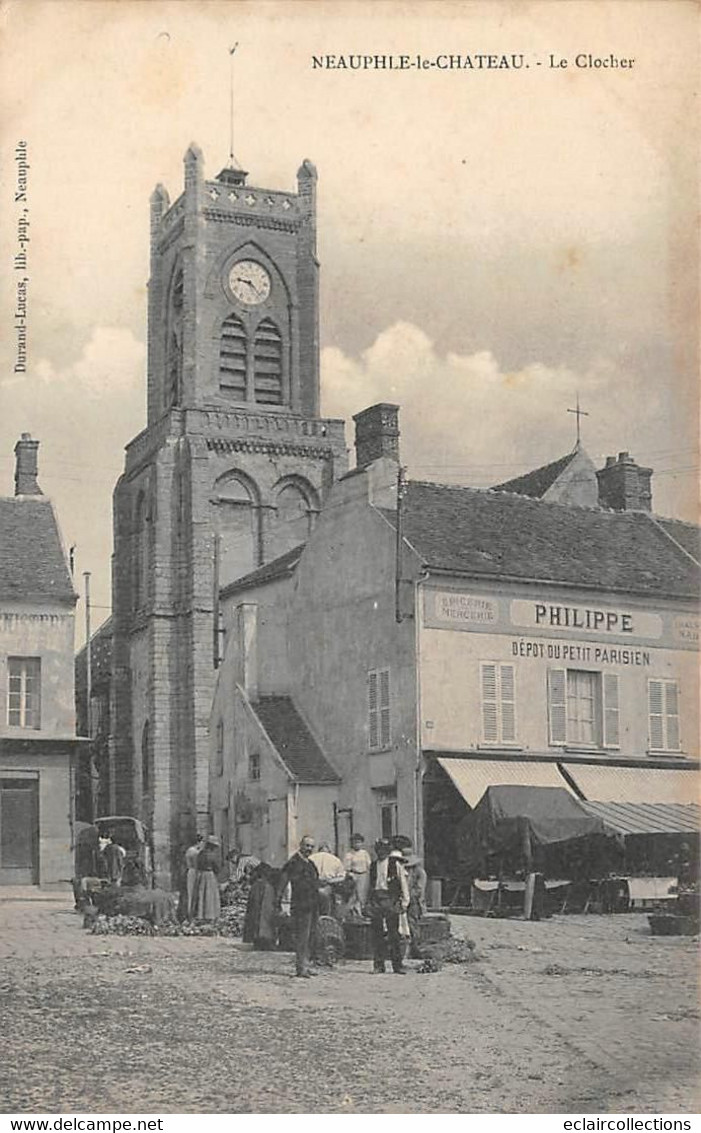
(574, 617)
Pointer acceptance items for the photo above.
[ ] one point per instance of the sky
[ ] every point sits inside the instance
(493, 242)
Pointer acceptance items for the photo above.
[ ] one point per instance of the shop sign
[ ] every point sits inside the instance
(601, 620)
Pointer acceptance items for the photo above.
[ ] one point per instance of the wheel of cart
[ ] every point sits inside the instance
(330, 941)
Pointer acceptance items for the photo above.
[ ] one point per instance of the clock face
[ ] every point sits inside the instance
(249, 282)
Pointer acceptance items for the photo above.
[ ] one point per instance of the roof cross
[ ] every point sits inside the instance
(578, 413)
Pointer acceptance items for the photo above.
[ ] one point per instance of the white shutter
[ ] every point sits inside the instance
(557, 705)
(671, 710)
(385, 732)
(612, 736)
(508, 704)
(655, 715)
(373, 713)
(490, 711)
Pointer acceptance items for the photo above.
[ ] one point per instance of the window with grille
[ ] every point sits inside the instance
(232, 358)
(498, 703)
(663, 715)
(267, 364)
(146, 767)
(24, 692)
(379, 722)
(583, 708)
(219, 751)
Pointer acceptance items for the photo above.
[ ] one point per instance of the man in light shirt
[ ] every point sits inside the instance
(388, 898)
(331, 873)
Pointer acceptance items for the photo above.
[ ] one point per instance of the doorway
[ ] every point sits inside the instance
(19, 832)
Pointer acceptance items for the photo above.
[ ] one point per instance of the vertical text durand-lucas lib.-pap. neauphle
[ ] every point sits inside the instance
(21, 257)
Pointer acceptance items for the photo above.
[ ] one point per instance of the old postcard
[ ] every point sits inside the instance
(349, 566)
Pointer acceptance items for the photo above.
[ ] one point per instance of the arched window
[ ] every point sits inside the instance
(267, 364)
(146, 763)
(141, 552)
(293, 517)
(232, 358)
(238, 516)
(174, 353)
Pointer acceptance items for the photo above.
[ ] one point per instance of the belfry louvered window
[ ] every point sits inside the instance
(232, 358)
(267, 364)
(663, 715)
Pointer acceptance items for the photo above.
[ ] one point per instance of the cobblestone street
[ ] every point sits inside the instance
(575, 1015)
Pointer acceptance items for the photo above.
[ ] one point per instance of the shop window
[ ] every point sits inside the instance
(583, 708)
(388, 810)
(254, 767)
(379, 717)
(24, 692)
(498, 703)
(663, 715)
(388, 820)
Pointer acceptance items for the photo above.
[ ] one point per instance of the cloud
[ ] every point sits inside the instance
(464, 418)
(112, 363)
(82, 414)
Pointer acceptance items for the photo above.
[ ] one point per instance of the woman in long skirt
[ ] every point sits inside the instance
(207, 906)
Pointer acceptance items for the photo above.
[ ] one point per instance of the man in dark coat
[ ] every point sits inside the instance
(388, 897)
(303, 878)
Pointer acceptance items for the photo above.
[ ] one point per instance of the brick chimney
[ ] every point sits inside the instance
(26, 467)
(624, 485)
(376, 434)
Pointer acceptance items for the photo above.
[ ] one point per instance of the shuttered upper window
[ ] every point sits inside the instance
(379, 724)
(498, 703)
(583, 708)
(663, 715)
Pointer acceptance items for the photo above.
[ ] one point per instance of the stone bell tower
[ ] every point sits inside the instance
(230, 471)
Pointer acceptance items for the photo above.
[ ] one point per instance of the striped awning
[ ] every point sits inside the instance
(473, 776)
(648, 818)
(634, 784)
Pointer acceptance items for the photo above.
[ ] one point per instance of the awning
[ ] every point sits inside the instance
(648, 818)
(473, 776)
(634, 784)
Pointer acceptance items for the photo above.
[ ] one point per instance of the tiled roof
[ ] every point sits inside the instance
(281, 567)
(686, 534)
(482, 532)
(32, 563)
(294, 742)
(536, 483)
